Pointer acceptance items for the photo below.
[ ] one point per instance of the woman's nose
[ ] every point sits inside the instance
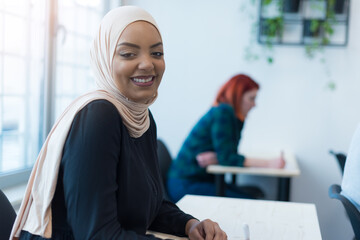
(146, 63)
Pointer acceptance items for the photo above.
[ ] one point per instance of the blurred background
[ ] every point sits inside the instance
(306, 103)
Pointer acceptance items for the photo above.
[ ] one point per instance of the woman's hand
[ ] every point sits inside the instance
(204, 230)
(266, 163)
(277, 162)
(205, 159)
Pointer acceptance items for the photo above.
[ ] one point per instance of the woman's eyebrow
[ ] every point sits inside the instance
(129, 44)
(137, 46)
(156, 45)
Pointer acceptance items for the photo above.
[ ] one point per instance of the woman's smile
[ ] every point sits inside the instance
(143, 81)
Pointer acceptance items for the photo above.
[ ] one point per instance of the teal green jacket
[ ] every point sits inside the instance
(219, 130)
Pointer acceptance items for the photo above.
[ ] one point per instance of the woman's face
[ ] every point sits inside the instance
(248, 101)
(138, 63)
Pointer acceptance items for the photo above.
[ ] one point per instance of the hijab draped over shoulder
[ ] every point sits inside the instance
(35, 212)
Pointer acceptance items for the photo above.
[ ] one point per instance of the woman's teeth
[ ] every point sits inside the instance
(142, 80)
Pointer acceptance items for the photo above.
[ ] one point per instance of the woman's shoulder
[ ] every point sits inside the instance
(101, 104)
(223, 109)
(96, 118)
(99, 110)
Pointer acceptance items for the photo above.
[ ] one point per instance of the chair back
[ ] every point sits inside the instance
(7, 217)
(351, 210)
(165, 160)
(341, 159)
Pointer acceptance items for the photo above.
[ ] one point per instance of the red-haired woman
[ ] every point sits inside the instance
(214, 140)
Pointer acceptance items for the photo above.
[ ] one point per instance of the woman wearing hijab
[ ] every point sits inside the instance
(97, 175)
(214, 140)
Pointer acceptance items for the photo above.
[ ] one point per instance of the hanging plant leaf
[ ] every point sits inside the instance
(267, 2)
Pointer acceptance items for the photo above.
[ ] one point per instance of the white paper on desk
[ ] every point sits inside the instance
(268, 220)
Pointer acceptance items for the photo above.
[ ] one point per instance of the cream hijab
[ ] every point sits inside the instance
(35, 211)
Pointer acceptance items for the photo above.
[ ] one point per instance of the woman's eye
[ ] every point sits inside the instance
(157, 54)
(127, 55)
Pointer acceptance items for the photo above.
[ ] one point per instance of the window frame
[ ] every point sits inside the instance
(13, 178)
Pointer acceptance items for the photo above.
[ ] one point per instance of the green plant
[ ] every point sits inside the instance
(326, 27)
(267, 2)
(312, 29)
(272, 28)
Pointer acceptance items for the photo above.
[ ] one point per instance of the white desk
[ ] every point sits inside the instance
(267, 220)
(291, 169)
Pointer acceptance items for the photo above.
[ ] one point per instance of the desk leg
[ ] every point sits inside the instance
(233, 179)
(220, 184)
(284, 189)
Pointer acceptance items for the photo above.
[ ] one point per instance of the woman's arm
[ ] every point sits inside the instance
(225, 137)
(170, 219)
(224, 134)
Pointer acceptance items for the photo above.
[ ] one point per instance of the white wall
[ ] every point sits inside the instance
(204, 46)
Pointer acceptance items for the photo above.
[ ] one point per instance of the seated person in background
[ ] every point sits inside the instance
(351, 179)
(97, 175)
(214, 140)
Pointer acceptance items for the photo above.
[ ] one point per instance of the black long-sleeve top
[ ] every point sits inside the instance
(109, 183)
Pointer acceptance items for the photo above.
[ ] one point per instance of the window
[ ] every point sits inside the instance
(24, 60)
(79, 19)
(22, 33)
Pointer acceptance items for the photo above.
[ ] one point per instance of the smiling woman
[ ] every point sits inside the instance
(97, 176)
(138, 62)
